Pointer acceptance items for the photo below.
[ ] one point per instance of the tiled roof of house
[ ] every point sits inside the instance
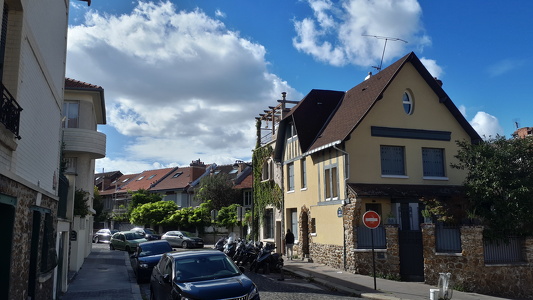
(323, 118)
(72, 83)
(148, 179)
(180, 178)
(118, 184)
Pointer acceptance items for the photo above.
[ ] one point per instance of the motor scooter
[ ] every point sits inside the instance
(267, 260)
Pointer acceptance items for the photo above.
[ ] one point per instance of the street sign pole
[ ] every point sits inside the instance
(371, 219)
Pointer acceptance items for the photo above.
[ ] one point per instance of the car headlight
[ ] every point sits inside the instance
(144, 266)
(253, 293)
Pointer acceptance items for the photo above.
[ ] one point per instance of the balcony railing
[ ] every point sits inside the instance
(10, 112)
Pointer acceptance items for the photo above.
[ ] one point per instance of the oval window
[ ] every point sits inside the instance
(407, 103)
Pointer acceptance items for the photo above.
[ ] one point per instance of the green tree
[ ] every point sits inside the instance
(499, 184)
(152, 213)
(141, 197)
(98, 206)
(227, 217)
(217, 188)
(188, 217)
(81, 208)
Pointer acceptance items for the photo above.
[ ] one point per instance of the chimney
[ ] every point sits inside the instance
(368, 76)
(438, 81)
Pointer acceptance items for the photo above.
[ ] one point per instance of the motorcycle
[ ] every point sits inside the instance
(267, 260)
(219, 245)
(230, 246)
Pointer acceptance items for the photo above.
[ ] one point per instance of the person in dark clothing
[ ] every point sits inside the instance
(289, 244)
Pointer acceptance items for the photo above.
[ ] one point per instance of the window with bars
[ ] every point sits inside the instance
(392, 160)
(433, 161)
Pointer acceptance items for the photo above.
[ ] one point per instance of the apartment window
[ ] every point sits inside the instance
(313, 225)
(392, 160)
(294, 223)
(303, 175)
(269, 224)
(407, 101)
(268, 170)
(331, 183)
(433, 161)
(70, 114)
(290, 177)
(247, 198)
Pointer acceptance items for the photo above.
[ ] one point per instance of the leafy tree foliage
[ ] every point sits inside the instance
(141, 197)
(152, 213)
(499, 184)
(188, 217)
(98, 206)
(81, 208)
(227, 216)
(217, 188)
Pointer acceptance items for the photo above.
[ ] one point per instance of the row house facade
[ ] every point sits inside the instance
(175, 184)
(382, 145)
(33, 38)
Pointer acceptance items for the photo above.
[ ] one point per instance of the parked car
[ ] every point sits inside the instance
(183, 239)
(204, 274)
(126, 240)
(103, 235)
(146, 257)
(149, 233)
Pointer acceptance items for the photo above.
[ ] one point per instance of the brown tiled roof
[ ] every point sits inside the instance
(119, 184)
(177, 179)
(246, 183)
(148, 179)
(72, 83)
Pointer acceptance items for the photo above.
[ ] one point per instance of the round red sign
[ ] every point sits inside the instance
(371, 219)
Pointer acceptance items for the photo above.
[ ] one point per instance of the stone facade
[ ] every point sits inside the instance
(468, 268)
(27, 200)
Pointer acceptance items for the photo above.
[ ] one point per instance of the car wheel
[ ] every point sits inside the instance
(128, 249)
(111, 247)
(184, 245)
(97, 240)
(139, 279)
(152, 296)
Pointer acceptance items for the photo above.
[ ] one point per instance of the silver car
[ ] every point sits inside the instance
(183, 239)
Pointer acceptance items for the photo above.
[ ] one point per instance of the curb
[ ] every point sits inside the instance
(135, 288)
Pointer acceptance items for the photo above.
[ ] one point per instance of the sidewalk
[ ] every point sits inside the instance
(105, 275)
(363, 286)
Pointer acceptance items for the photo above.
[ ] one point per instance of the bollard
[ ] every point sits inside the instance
(433, 294)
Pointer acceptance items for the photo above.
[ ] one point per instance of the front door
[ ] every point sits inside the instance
(410, 240)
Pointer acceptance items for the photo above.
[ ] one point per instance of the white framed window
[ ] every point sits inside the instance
(408, 102)
(303, 173)
(247, 198)
(392, 160)
(433, 162)
(290, 176)
(269, 224)
(268, 170)
(331, 182)
(294, 223)
(71, 114)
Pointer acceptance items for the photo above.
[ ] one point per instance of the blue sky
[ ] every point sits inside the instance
(184, 80)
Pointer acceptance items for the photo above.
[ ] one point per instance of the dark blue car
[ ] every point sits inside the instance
(204, 274)
(146, 257)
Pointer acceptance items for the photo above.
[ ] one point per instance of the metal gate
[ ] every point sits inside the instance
(411, 255)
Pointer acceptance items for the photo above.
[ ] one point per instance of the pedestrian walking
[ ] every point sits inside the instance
(289, 244)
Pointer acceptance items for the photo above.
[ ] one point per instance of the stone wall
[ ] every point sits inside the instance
(26, 198)
(468, 268)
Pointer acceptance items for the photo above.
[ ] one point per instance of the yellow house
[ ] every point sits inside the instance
(382, 146)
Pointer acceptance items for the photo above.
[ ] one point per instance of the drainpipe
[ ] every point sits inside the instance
(347, 173)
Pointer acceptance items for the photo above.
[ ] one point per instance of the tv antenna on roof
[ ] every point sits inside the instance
(386, 38)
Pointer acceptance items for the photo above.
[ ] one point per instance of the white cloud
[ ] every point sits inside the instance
(431, 65)
(220, 13)
(335, 33)
(462, 109)
(179, 83)
(504, 66)
(486, 125)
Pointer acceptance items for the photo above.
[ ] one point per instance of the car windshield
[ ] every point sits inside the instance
(187, 234)
(204, 268)
(154, 249)
(133, 235)
(149, 231)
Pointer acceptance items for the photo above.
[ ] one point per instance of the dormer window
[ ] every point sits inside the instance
(151, 176)
(408, 103)
(177, 174)
(140, 178)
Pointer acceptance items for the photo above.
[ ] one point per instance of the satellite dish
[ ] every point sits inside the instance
(445, 286)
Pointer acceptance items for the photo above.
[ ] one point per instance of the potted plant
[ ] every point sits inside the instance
(391, 219)
(427, 215)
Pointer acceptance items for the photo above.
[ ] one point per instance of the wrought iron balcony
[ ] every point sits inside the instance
(10, 112)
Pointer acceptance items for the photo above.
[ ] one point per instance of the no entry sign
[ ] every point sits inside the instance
(371, 219)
